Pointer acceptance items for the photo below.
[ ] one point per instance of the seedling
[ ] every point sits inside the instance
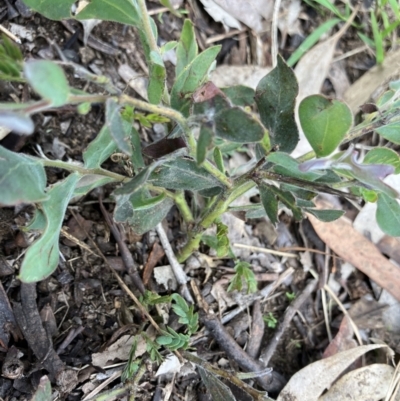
(270, 320)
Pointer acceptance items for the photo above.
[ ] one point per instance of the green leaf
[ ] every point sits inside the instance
(235, 125)
(19, 123)
(204, 141)
(136, 183)
(48, 80)
(326, 215)
(269, 202)
(89, 182)
(223, 245)
(288, 200)
(324, 122)
(288, 166)
(388, 215)
(243, 275)
(187, 49)
(51, 9)
(391, 132)
(168, 4)
(22, 179)
(182, 174)
(122, 11)
(43, 391)
(141, 211)
(219, 159)
(240, 95)
(38, 222)
(156, 78)
(41, 258)
(192, 76)
(275, 97)
(119, 129)
(11, 49)
(383, 156)
(136, 158)
(100, 149)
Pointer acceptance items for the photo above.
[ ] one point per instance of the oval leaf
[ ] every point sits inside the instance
(275, 97)
(325, 123)
(391, 132)
(388, 215)
(48, 80)
(41, 258)
(326, 215)
(22, 179)
(52, 9)
(183, 174)
(383, 156)
(269, 201)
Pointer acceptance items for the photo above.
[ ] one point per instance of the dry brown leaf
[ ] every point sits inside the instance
(119, 350)
(368, 383)
(251, 12)
(230, 75)
(372, 81)
(310, 382)
(354, 248)
(313, 67)
(343, 339)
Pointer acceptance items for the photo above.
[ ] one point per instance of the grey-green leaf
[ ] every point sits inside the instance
(141, 211)
(391, 132)
(22, 179)
(48, 80)
(100, 149)
(240, 95)
(122, 11)
(204, 141)
(119, 129)
(51, 9)
(41, 258)
(183, 174)
(326, 215)
(275, 97)
(43, 391)
(388, 215)
(269, 201)
(192, 76)
(89, 182)
(156, 78)
(187, 49)
(236, 125)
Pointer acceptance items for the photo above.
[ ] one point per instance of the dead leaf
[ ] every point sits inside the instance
(354, 248)
(313, 67)
(310, 382)
(343, 340)
(368, 383)
(165, 276)
(138, 82)
(218, 14)
(119, 350)
(373, 80)
(156, 254)
(253, 13)
(230, 75)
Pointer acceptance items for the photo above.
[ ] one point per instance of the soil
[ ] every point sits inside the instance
(82, 307)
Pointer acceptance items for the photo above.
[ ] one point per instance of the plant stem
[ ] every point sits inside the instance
(179, 199)
(216, 210)
(147, 26)
(82, 170)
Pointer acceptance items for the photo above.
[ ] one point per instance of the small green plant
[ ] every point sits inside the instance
(244, 277)
(270, 320)
(290, 296)
(204, 124)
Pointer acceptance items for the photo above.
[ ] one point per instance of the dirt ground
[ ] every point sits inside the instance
(83, 310)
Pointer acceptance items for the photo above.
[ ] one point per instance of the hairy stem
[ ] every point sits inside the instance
(82, 170)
